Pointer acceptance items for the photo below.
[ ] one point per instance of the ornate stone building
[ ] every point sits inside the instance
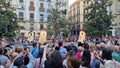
(33, 14)
(115, 9)
(76, 14)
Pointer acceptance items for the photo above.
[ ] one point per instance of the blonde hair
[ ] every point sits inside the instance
(80, 49)
(13, 56)
(19, 49)
(91, 48)
(98, 47)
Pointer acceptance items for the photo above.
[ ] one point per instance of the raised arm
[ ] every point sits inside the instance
(45, 51)
(31, 62)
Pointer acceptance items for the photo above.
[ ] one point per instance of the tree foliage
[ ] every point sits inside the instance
(58, 21)
(8, 20)
(98, 18)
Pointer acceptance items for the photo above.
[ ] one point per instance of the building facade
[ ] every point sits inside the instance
(76, 14)
(33, 15)
(115, 9)
(61, 6)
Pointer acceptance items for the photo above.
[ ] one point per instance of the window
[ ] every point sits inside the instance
(41, 7)
(119, 8)
(49, 17)
(31, 16)
(41, 0)
(22, 27)
(20, 0)
(110, 9)
(48, 10)
(84, 2)
(9, 1)
(41, 17)
(41, 26)
(31, 26)
(48, 0)
(32, 8)
(21, 4)
(21, 16)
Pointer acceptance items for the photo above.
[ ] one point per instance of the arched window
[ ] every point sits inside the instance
(31, 26)
(22, 28)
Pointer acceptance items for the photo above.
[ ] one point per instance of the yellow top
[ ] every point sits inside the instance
(30, 36)
(43, 37)
(82, 36)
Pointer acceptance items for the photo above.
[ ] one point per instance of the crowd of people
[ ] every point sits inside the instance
(93, 53)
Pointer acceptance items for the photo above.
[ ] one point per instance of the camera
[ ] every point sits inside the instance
(26, 47)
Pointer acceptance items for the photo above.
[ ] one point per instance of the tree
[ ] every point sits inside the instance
(98, 18)
(8, 20)
(58, 22)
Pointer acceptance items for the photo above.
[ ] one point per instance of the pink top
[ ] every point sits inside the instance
(78, 55)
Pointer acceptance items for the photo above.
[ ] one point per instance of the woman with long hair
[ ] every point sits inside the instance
(71, 61)
(55, 60)
(86, 58)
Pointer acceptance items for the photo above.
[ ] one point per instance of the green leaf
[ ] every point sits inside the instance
(98, 19)
(6, 16)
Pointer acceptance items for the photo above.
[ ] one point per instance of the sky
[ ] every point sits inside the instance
(71, 1)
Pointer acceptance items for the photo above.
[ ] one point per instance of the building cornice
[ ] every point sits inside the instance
(30, 21)
(116, 13)
(73, 3)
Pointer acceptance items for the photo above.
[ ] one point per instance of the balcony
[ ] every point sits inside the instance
(48, 0)
(20, 0)
(31, 28)
(48, 10)
(41, 0)
(64, 4)
(48, 18)
(41, 9)
(22, 8)
(118, 25)
(42, 19)
(31, 19)
(21, 18)
(32, 8)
